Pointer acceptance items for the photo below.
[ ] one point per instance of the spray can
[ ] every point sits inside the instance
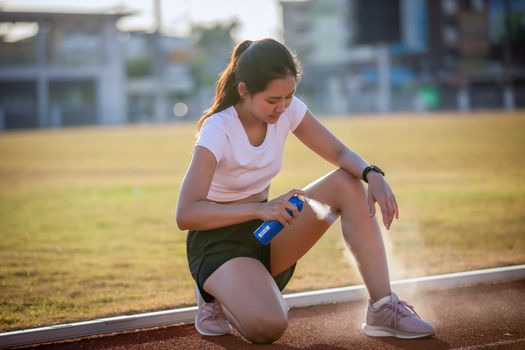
(269, 229)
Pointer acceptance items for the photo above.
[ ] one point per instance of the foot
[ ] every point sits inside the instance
(210, 319)
(396, 319)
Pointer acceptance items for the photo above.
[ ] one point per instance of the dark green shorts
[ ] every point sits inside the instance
(207, 250)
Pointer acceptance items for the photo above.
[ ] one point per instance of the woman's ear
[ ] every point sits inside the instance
(242, 89)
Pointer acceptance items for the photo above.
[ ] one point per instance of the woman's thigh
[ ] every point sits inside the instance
(339, 190)
(250, 297)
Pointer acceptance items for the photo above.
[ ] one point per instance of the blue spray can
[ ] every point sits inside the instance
(269, 229)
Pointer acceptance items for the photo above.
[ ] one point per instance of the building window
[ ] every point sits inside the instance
(478, 5)
(450, 35)
(450, 7)
(76, 44)
(18, 43)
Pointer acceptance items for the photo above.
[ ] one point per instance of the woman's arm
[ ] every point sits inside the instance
(194, 211)
(320, 140)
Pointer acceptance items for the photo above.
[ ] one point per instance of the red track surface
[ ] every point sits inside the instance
(481, 317)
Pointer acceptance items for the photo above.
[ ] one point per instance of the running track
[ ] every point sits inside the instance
(479, 317)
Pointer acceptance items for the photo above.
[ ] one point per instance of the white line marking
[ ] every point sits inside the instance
(489, 345)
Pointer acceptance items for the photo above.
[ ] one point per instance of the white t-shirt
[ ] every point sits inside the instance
(243, 169)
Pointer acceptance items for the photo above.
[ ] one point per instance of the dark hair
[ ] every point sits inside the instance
(256, 64)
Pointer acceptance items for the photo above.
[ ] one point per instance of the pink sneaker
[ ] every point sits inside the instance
(396, 319)
(210, 319)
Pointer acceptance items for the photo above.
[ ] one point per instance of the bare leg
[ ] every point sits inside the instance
(347, 196)
(249, 296)
(250, 299)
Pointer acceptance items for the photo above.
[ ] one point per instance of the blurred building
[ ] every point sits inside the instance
(339, 43)
(159, 76)
(319, 33)
(372, 55)
(67, 69)
(477, 53)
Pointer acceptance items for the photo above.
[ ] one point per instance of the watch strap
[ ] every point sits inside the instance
(370, 168)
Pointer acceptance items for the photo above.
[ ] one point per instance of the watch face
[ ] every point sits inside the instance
(377, 169)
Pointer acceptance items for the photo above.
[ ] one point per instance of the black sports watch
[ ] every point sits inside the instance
(370, 168)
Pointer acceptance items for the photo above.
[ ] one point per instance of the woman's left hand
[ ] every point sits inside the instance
(379, 191)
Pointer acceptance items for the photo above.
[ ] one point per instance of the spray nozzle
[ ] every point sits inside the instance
(303, 198)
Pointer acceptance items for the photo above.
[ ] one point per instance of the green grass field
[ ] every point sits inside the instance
(87, 215)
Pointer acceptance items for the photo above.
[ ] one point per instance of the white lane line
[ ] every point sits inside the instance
(489, 345)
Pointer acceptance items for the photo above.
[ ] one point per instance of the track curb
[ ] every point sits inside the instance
(186, 315)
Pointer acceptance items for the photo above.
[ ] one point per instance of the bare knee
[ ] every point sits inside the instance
(265, 329)
(347, 184)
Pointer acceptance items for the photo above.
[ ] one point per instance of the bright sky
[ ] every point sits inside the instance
(259, 19)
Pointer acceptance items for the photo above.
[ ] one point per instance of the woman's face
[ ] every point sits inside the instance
(268, 105)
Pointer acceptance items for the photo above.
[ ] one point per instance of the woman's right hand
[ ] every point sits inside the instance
(276, 208)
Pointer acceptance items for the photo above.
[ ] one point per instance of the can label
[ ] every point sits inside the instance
(261, 233)
(269, 229)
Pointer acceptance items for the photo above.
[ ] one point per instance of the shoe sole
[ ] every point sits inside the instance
(208, 334)
(373, 331)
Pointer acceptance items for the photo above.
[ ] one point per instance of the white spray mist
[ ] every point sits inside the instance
(322, 211)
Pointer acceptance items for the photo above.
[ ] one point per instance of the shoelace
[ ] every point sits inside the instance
(404, 310)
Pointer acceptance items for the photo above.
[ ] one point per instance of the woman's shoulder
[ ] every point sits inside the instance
(220, 124)
(295, 112)
(297, 103)
(222, 118)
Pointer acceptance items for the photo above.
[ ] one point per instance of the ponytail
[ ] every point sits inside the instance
(226, 94)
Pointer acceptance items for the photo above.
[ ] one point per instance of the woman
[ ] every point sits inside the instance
(224, 198)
